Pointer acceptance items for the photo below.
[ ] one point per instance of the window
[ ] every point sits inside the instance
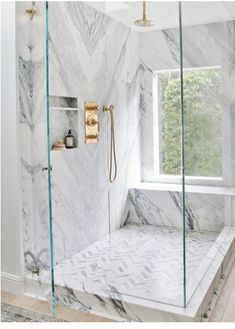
(203, 123)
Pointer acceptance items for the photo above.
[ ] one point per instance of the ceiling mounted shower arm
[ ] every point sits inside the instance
(144, 22)
(144, 11)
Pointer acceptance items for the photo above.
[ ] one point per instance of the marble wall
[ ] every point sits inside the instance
(203, 46)
(31, 50)
(86, 63)
(94, 58)
(204, 212)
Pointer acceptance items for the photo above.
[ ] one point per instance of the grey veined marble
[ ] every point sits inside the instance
(84, 63)
(94, 58)
(203, 212)
(206, 45)
(138, 260)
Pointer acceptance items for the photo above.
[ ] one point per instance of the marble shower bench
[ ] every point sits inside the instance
(208, 208)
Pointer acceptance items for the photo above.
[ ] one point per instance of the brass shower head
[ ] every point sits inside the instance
(144, 22)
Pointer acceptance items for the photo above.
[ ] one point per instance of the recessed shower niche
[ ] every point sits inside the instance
(63, 117)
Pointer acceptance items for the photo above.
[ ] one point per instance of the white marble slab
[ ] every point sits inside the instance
(127, 308)
(137, 260)
(203, 46)
(84, 63)
(204, 212)
(61, 122)
(31, 50)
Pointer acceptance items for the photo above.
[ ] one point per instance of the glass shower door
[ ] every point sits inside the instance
(119, 240)
(146, 214)
(79, 181)
(31, 37)
(208, 74)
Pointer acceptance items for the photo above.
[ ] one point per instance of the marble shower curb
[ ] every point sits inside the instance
(135, 309)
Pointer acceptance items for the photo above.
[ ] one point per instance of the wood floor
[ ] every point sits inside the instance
(223, 311)
(39, 306)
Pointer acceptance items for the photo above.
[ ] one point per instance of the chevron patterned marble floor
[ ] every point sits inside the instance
(143, 261)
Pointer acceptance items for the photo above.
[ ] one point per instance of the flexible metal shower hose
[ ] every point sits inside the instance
(112, 150)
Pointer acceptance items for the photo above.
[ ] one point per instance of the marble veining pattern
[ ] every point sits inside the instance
(127, 308)
(33, 137)
(203, 46)
(81, 67)
(108, 73)
(204, 212)
(84, 64)
(61, 121)
(137, 260)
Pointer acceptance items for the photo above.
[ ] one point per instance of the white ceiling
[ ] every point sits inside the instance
(165, 14)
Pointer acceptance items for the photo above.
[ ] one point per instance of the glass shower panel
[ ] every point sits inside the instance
(120, 239)
(208, 56)
(49, 167)
(79, 181)
(31, 27)
(146, 224)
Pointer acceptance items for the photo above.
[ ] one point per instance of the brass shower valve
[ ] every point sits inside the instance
(91, 122)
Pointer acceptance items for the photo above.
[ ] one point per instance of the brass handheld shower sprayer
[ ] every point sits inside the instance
(112, 176)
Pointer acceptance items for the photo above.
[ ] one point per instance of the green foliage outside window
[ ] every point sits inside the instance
(203, 122)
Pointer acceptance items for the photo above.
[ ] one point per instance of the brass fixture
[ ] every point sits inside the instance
(31, 11)
(91, 122)
(36, 270)
(46, 168)
(112, 156)
(144, 22)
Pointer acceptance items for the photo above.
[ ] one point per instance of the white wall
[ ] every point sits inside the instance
(11, 252)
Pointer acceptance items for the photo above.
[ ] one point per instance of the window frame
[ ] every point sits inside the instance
(157, 121)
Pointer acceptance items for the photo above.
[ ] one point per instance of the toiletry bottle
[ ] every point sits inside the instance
(69, 140)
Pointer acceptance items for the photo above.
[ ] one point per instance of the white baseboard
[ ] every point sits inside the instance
(12, 283)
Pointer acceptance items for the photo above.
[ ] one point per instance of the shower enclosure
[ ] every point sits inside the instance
(152, 243)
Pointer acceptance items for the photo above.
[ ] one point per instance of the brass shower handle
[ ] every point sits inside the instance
(46, 168)
(110, 108)
(91, 121)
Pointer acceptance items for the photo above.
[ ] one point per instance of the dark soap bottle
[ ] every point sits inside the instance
(69, 140)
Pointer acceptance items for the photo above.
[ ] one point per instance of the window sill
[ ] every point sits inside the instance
(219, 190)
